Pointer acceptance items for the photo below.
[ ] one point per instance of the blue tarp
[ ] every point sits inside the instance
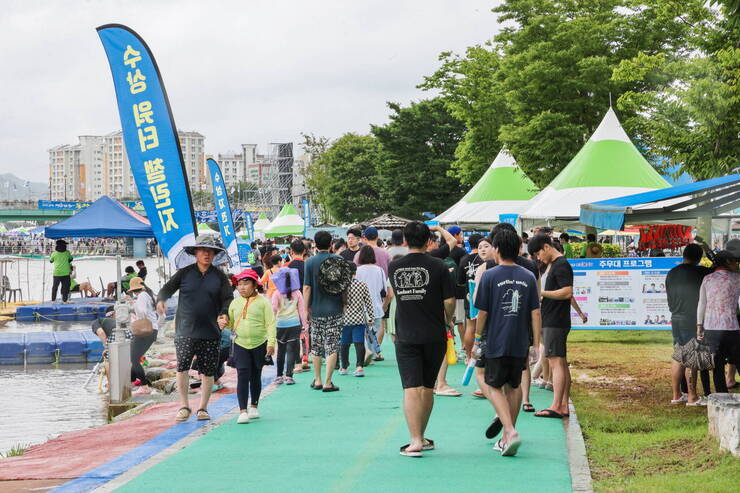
(609, 214)
(106, 217)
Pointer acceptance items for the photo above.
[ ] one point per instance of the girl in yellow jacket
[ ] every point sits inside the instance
(253, 323)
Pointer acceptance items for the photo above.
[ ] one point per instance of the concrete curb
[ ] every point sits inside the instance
(580, 472)
(173, 449)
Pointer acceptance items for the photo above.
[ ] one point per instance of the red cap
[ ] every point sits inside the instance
(246, 274)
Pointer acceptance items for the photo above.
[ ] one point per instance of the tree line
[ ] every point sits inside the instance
(539, 87)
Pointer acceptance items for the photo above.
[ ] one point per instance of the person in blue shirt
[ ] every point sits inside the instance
(509, 307)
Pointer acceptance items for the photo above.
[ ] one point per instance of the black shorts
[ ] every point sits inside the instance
(207, 351)
(555, 340)
(418, 364)
(682, 336)
(504, 370)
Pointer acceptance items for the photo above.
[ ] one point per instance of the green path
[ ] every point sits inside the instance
(348, 441)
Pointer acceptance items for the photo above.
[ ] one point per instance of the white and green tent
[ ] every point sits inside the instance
(287, 223)
(607, 166)
(503, 189)
(261, 224)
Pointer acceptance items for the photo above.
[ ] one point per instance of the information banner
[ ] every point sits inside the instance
(622, 293)
(223, 213)
(67, 205)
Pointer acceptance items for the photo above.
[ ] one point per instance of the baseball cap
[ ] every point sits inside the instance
(454, 230)
(397, 237)
(371, 232)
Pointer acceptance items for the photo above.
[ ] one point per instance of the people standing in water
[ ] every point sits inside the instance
(205, 296)
(62, 260)
(253, 322)
(291, 319)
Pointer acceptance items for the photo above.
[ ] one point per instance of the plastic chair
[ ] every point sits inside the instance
(8, 292)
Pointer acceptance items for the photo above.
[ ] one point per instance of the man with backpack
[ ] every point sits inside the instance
(326, 278)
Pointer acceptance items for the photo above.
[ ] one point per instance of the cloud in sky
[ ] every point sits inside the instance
(236, 71)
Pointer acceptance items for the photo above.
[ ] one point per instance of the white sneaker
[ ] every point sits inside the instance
(243, 418)
(253, 413)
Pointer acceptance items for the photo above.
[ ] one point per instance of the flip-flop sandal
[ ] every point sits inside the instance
(333, 388)
(478, 394)
(408, 453)
(428, 444)
(180, 416)
(202, 415)
(316, 387)
(494, 428)
(527, 407)
(450, 392)
(511, 448)
(548, 413)
(498, 447)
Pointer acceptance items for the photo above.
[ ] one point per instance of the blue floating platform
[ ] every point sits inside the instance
(12, 347)
(94, 345)
(40, 347)
(72, 346)
(79, 310)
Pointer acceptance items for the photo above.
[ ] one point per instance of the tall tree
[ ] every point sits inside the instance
(419, 143)
(345, 178)
(548, 76)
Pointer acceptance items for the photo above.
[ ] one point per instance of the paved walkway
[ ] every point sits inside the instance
(348, 441)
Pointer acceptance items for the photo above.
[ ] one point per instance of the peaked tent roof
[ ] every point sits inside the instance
(503, 189)
(106, 217)
(261, 223)
(287, 223)
(607, 166)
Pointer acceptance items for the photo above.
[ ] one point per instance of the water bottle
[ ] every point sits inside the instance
(471, 364)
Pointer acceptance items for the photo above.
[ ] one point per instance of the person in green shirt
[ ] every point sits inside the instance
(128, 274)
(253, 322)
(590, 240)
(567, 247)
(62, 260)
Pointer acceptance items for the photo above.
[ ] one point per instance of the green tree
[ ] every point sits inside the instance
(543, 84)
(344, 180)
(692, 115)
(419, 143)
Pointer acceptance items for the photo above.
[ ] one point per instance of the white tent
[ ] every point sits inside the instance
(261, 223)
(607, 166)
(287, 223)
(503, 189)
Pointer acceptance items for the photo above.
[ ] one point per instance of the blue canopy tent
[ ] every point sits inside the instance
(106, 218)
(715, 197)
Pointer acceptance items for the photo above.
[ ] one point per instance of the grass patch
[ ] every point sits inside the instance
(635, 439)
(16, 450)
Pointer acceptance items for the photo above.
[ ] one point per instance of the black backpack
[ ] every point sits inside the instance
(334, 276)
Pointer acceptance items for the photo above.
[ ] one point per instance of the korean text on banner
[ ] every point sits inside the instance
(249, 224)
(306, 218)
(151, 140)
(223, 214)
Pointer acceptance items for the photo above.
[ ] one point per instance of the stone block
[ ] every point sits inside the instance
(724, 421)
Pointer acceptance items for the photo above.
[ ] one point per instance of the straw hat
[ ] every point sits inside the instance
(135, 284)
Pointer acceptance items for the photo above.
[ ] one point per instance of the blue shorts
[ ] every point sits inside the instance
(353, 333)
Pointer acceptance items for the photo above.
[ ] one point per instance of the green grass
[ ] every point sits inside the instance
(635, 439)
(16, 450)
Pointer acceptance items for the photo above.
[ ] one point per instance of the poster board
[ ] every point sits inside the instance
(622, 293)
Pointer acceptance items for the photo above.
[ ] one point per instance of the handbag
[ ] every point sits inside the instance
(142, 327)
(694, 355)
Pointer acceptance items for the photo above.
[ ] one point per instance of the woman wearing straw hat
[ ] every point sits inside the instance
(205, 295)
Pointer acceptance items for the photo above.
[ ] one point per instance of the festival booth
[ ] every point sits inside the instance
(504, 189)
(287, 223)
(607, 166)
(105, 218)
(260, 225)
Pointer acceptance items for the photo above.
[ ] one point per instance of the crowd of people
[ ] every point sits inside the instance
(506, 298)
(37, 244)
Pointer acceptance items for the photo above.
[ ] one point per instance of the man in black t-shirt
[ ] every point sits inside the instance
(425, 298)
(456, 255)
(683, 283)
(142, 269)
(353, 244)
(556, 295)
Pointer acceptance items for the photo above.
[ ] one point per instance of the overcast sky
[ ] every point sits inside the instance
(236, 71)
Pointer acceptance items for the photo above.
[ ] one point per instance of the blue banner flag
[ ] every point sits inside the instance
(151, 141)
(223, 213)
(306, 218)
(249, 225)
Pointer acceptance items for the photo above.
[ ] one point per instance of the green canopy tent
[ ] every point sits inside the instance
(287, 223)
(261, 224)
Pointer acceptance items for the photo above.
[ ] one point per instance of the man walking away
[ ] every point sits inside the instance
(297, 258)
(425, 306)
(322, 292)
(205, 295)
(683, 284)
(555, 321)
(509, 306)
(397, 247)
